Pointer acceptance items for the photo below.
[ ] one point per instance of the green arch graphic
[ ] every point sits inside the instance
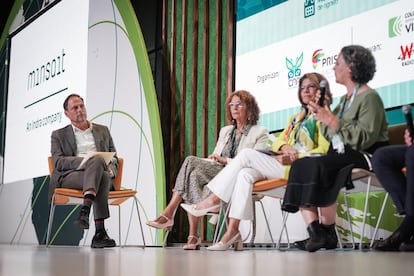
(138, 45)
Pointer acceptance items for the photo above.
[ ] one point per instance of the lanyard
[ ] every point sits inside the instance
(297, 119)
(343, 109)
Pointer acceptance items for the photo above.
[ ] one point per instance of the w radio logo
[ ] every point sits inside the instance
(406, 56)
(394, 26)
(406, 51)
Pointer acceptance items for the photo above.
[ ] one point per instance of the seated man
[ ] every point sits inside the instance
(388, 164)
(69, 146)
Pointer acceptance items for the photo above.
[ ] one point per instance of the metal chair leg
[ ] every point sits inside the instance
(119, 227)
(284, 228)
(267, 223)
(374, 235)
(339, 238)
(140, 223)
(365, 212)
(349, 220)
(50, 223)
(254, 220)
(220, 226)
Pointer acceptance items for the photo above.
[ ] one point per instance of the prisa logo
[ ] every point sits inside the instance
(316, 58)
(294, 70)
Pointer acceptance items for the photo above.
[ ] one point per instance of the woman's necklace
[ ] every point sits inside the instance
(344, 108)
(239, 130)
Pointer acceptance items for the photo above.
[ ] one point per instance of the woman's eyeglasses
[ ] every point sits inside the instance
(310, 87)
(234, 104)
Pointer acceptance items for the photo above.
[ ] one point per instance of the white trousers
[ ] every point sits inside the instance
(234, 183)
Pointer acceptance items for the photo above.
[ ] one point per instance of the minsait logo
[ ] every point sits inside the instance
(316, 58)
(394, 26)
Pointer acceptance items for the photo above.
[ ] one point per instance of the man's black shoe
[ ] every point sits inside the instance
(392, 243)
(83, 220)
(101, 240)
(407, 245)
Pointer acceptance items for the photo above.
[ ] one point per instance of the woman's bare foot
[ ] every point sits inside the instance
(211, 200)
(161, 222)
(162, 219)
(230, 233)
(209, 205)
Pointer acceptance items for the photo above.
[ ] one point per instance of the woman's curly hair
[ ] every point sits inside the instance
(247, 99)
(361, 61)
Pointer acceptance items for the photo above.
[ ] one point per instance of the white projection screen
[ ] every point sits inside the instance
(276, 46)
(48, 61)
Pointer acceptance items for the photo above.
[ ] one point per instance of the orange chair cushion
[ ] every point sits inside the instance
(69, 192)
(268, 184)
(122, 193)
(64, 195)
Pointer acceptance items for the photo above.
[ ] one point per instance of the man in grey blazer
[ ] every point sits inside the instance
(69, 146)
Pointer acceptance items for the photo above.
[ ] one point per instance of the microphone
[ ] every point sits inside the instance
(406, 109)
(322, 88)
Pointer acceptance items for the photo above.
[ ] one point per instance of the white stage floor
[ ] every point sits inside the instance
(173, 261)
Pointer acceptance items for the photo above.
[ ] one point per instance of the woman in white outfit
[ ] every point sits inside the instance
(234, 184)
(196, 172)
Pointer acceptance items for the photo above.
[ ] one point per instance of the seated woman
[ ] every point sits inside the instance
(356, 128)
(234, 184)
(195, 172)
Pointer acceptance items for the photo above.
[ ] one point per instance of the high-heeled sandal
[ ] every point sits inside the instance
(192, 246)
(168, 224)
(223, 246)
(192, 209)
